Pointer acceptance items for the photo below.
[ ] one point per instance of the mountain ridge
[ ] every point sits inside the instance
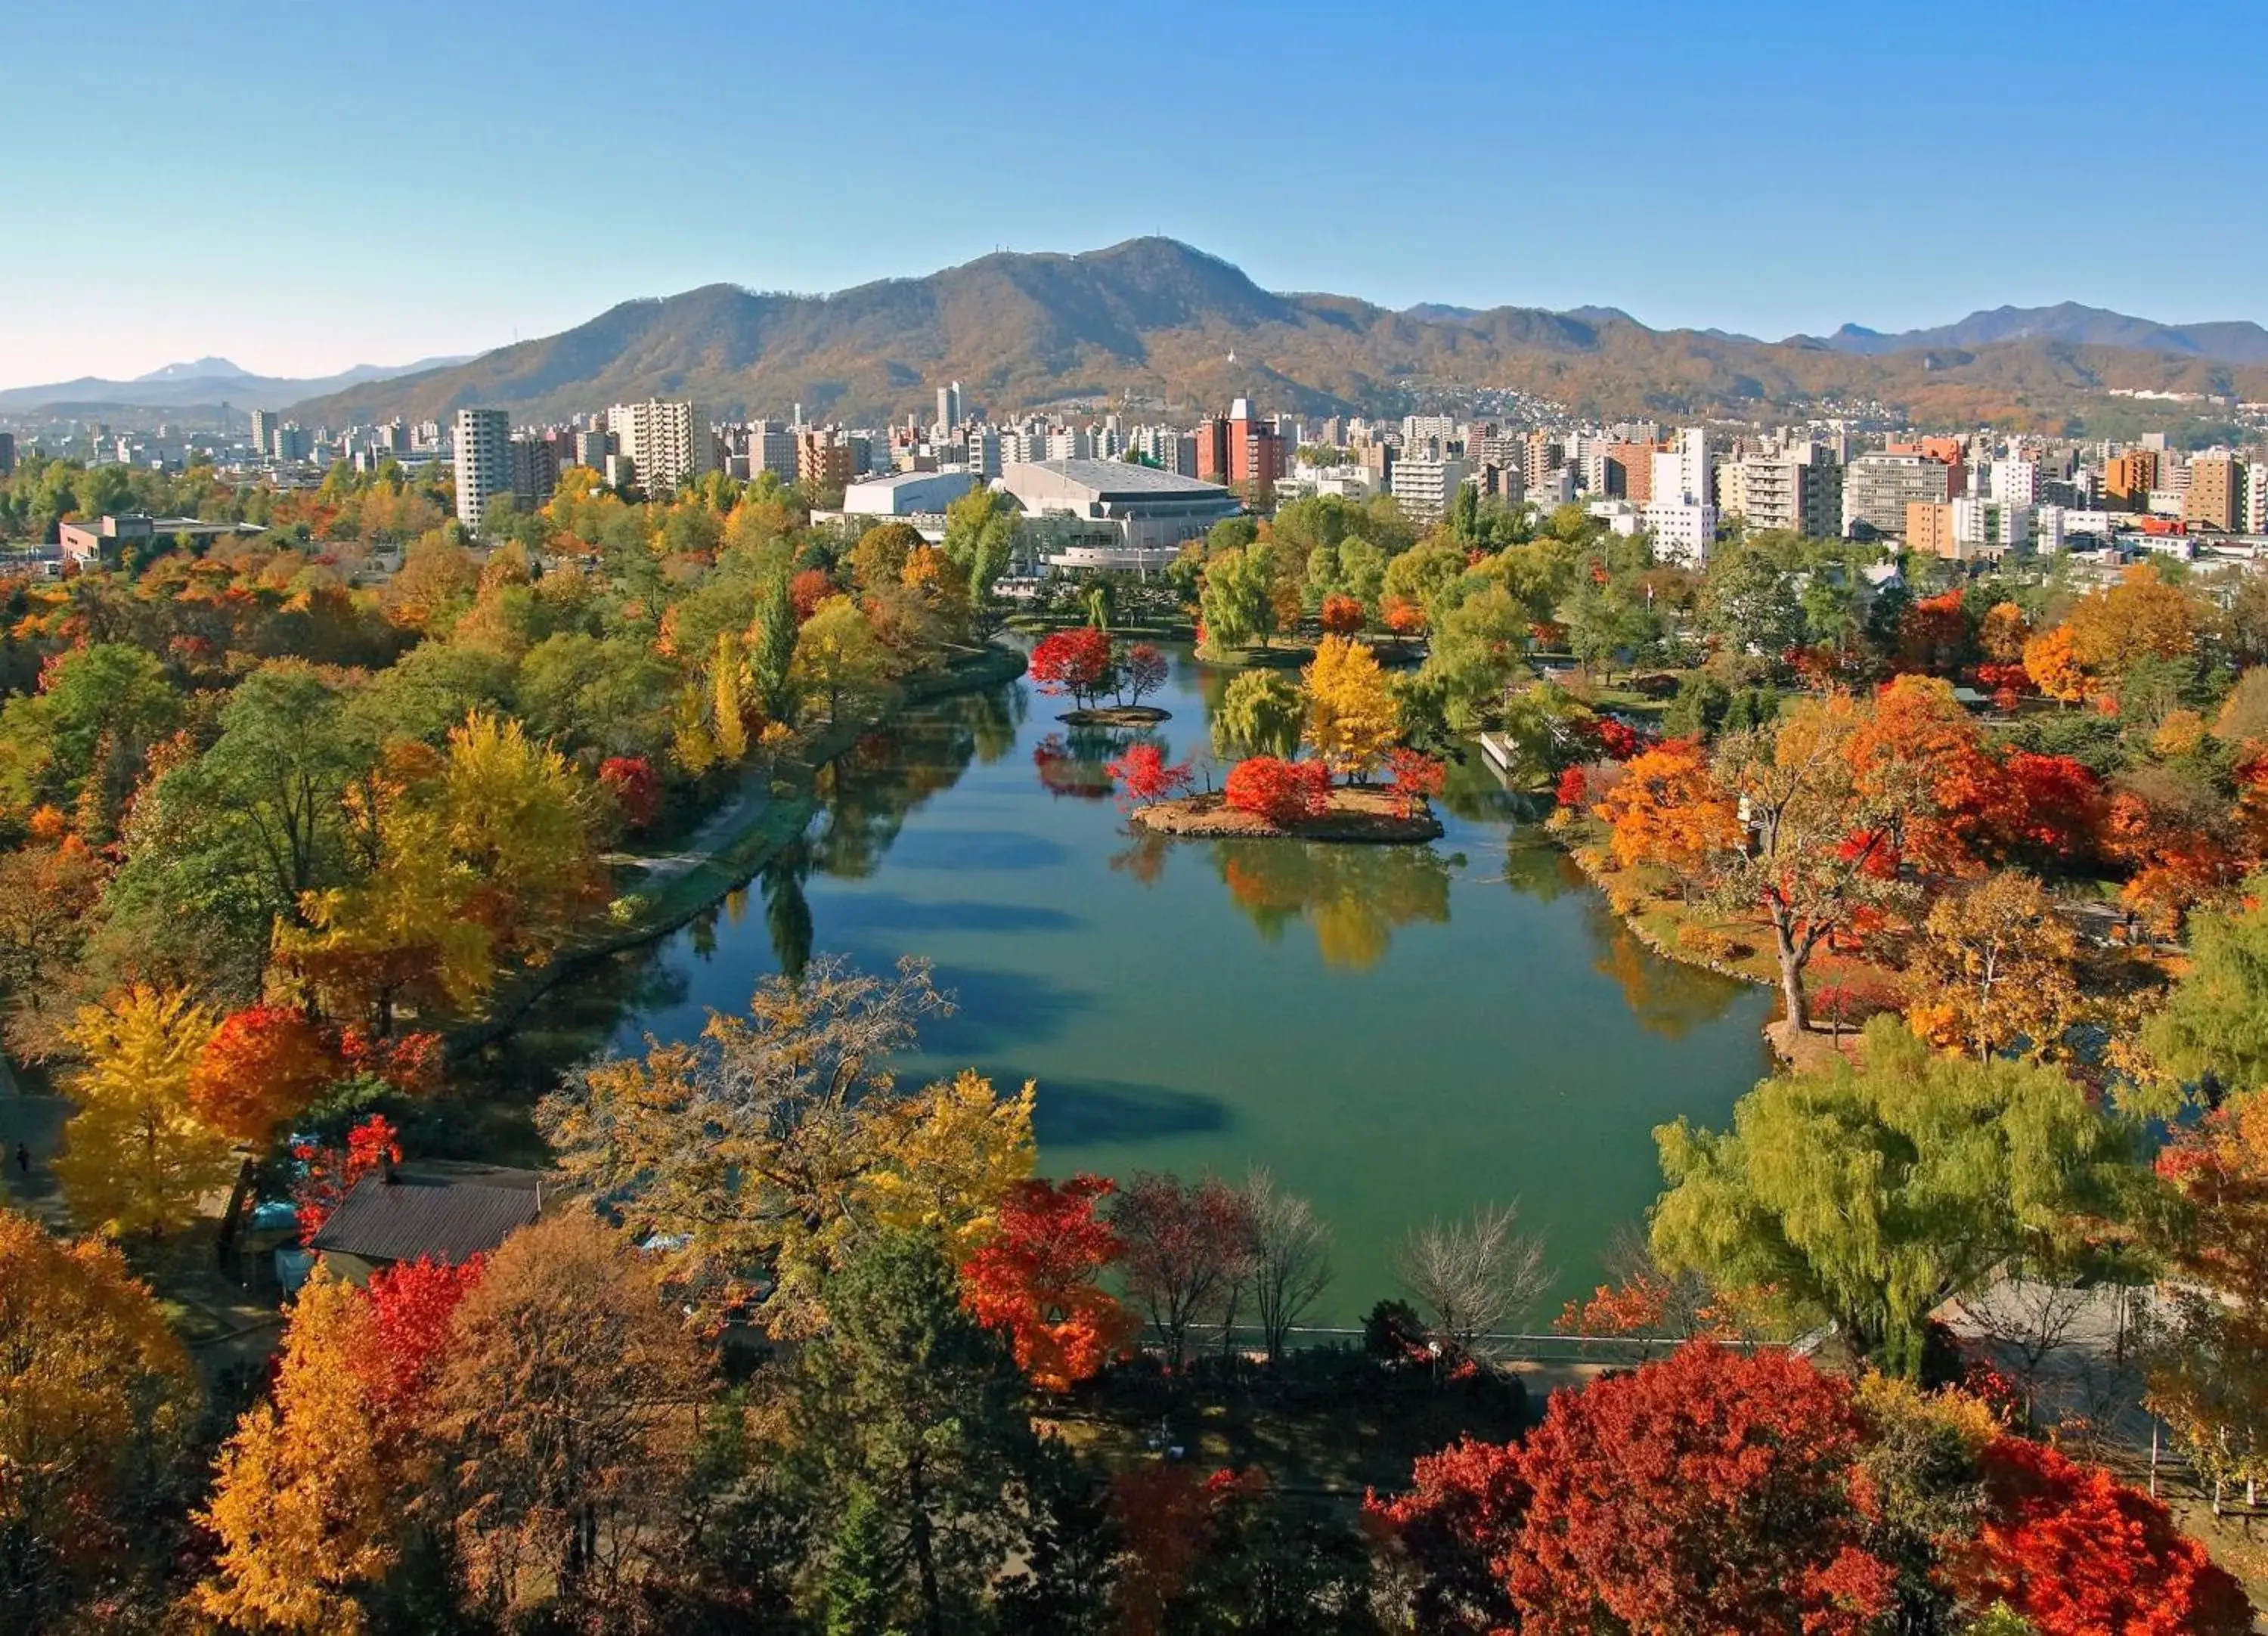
(206, 381)
(1153, 322)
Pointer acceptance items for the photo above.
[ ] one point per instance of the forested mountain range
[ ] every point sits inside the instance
(1151, 323)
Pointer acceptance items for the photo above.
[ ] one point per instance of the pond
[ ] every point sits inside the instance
(1396, 1031)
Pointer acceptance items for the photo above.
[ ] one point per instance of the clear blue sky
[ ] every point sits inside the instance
(303, 187)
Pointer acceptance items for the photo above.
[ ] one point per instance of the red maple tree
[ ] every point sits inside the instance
(1458, 1528)
(264, 1065)
(2080, 1553)
(1037, 1280)
(1142, 671)
(1341, 615)
(410, 1305)
(1281, 791)
(1706, 1492)
(807, 590)
(1075, 662)
(1413, 776)
(636, 792)
(327, 1175)
(1144, 777)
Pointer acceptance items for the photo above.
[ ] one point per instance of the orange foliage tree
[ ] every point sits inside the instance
(264, 1064)
(2051, 661)
(1668, 808)
(1037, 1280)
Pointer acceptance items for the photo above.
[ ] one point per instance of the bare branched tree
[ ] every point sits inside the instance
(1474, 1276)
(1291, 1257)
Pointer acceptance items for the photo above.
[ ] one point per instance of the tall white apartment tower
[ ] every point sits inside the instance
(949, 405)
(1682, 471)
(666, 442)
(484, 462)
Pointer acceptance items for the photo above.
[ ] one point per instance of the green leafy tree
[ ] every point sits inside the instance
(1260, 714)
(907, 1401)
(2213, 1030)
(1234, 602)
(1750, 604)
(980, 539)
(772, 649)
(1869, 1195)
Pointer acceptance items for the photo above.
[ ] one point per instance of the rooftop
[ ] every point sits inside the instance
(449, 1212)
(1116, 479)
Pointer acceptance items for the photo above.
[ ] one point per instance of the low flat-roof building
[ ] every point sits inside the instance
(89, 543)
(906, 494)
(1140, 516)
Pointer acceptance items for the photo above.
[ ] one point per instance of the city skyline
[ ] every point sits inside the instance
(1694, 172)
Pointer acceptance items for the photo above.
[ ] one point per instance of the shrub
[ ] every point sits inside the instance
(1281, 791)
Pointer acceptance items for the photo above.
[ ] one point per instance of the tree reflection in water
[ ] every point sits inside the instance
(1666, 996)
(866, 794)
(1353, 896)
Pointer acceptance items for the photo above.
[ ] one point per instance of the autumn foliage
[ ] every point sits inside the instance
(1074, 662)
(327, 1175)
(1341, 615)
(1282, 792)
(1415, 778)
(1037, 1279)
(1144, 777)
(2077, 1553)
(636, 792)
(1708, 1492)
(264, 1066)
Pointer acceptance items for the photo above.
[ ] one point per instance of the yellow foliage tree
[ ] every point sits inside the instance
(1668, 808)
(404, 933)
(690, 741)
(950, 1155)
(136, 1157)
(520, 818)
(727, 693)
(2112, 627)
(2004, 633)
(836, 654)
(96, 1397)
(301, 1504)
(1995, 966)
(1351, 718)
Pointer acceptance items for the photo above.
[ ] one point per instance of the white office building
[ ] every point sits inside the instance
(1682, 529)
(1680, 473)
(484, 462)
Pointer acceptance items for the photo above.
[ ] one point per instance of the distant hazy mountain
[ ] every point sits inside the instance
(1153, 320)
(205, 381)
(2234, 342)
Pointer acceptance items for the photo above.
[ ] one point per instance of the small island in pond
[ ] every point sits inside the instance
(1116, 716)
(1355, 813)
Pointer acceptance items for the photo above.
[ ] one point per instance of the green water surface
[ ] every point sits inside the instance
(1396, 1032)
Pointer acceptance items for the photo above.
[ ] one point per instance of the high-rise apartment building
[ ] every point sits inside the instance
(1629, 471)
(1803, 495)
(984, 453)
(1877, 488)
(2215, 499)
(1542, 456)
(1424, 485)
(668, 443)
(484, 462)
(534, 469)
(1242, 452)
(7, 452)
(263, 433)
(823, 460)
(1929, 529)
(2127, 479)
(949, 405)
(1681, 472)
(591, 448)
(2255, 493)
